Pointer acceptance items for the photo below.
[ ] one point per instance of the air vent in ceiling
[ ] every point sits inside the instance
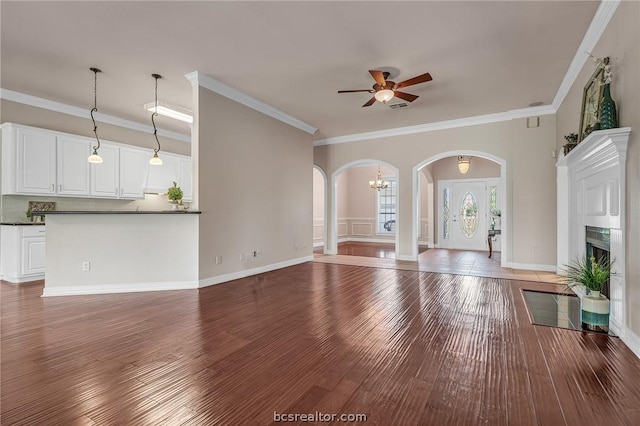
(400, 105)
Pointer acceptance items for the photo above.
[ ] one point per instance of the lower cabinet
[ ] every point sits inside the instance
(22, 253)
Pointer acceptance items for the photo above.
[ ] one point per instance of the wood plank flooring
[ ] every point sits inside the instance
(402, 347)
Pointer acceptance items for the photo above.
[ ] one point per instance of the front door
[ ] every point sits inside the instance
(468, 215)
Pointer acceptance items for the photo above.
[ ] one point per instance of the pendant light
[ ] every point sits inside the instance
(155, 160)
(463, 164)
(95, 157)
(378, 184)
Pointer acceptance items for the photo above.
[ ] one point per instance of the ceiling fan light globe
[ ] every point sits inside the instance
(384, 95)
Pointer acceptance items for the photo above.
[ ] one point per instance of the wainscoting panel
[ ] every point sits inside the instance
(361, 229)
(318, 232)
(343, 230)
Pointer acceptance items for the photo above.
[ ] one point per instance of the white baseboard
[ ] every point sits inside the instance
(254, 271)
(631, 339)
(369, 240)
(406, 257)
(531, 266)
(318, 244)
(118, 288)
(18, 280)
(365, 240)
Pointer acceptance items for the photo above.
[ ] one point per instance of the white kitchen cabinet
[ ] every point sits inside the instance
(72, 166)
(45, 162)
(36, 161)
(106, 175)
(185, 178)
(160, 178)
(121, 173)
(23, 253)
(133, 166)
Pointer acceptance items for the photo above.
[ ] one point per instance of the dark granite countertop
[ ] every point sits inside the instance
(117, 212)
(21, 223)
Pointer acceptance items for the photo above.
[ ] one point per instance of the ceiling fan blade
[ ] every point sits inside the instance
(353, 91)
(371, 101)
(406, 96)
(415, 80)
(378, 77)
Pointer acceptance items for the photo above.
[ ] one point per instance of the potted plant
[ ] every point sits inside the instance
(591, 274)
(29, 214)
(174, 194)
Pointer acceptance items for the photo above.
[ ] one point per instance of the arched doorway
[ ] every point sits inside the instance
(370, 217)
(319, 209)
(464, 201)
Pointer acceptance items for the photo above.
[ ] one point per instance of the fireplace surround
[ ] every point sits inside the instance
(591, 193)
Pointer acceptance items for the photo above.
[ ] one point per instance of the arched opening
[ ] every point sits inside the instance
(319, 209)
(361, 214)
(465, 206)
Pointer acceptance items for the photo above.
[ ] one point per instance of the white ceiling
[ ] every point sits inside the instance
(485, 57)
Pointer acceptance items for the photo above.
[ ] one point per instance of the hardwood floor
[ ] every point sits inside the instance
(402, 347)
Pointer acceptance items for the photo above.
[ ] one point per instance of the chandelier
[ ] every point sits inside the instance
(378, 184)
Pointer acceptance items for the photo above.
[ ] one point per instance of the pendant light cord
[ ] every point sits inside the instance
(95, 105)
(155, 112)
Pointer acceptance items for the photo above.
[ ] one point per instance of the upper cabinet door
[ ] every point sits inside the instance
(160, 178)
(36, 171)
(104, 176)
(186, 178)
(73, 167)
(133, 170)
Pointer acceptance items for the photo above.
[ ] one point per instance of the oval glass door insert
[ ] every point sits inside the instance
(469, 215)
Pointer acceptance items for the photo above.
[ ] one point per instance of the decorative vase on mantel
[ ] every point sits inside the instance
(608, 116)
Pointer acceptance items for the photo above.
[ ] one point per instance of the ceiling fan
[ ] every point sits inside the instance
(384, 90)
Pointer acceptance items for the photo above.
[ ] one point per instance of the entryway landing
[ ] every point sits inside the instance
(459, 262)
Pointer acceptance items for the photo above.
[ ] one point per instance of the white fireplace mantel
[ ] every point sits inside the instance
(591, 192)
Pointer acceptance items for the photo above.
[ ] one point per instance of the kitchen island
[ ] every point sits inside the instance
(99, 252)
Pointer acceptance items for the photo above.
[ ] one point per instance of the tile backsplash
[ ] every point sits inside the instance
(15, 206)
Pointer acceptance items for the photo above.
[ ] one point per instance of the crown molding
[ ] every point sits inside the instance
(441, 125)
(599, 23)
(13, 96)
(197, 78)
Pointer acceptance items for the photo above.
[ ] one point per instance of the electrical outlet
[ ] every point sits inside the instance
(256, 253)
(242, 256)
(86, 266)
(218, 260)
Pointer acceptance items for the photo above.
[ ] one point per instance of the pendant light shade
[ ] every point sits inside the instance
(463, 164)
(378, 183)
(155, 160)
(95, 157)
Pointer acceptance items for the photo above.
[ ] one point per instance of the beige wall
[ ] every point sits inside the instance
(254, 187)
(530, 177)
(447, 169)
(621, 42)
